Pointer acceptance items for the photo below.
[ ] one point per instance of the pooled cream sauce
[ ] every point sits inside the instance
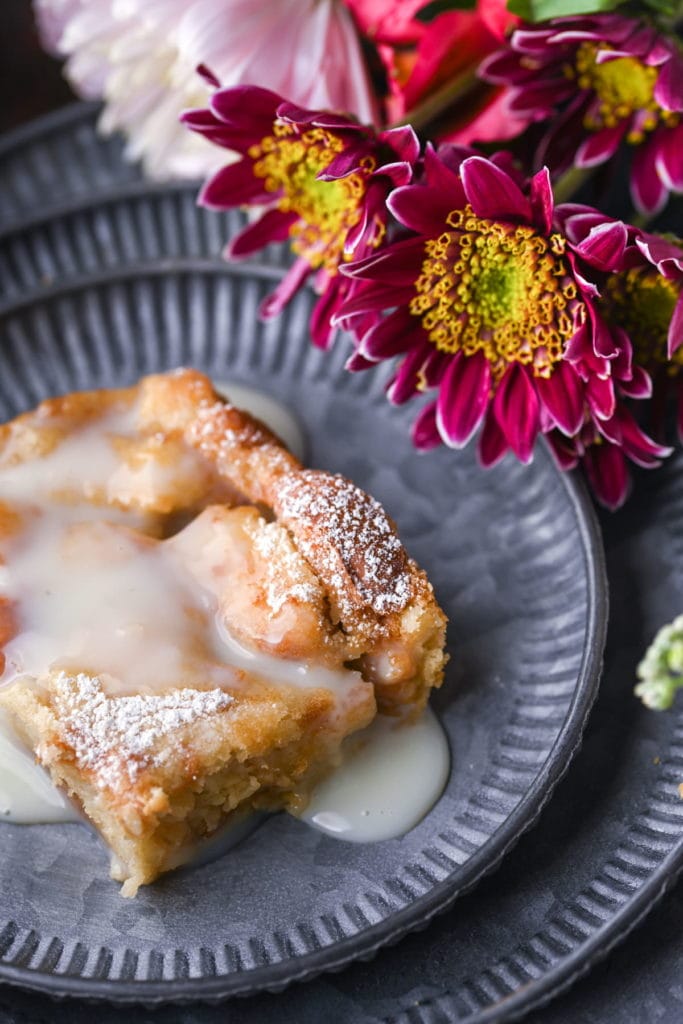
(110, 619)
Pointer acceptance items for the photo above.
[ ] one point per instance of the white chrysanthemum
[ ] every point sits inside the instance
(141, 56)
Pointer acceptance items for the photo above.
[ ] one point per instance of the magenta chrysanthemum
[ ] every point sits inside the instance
(646, 301)
(599, 81)
(322, 177)
(491, 303)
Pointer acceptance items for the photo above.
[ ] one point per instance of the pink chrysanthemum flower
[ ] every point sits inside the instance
(646, 301)
(491, 303)
(599, 81)
(323, 179)
(643, 310)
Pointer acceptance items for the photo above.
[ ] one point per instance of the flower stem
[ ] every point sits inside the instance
(449, 93)
(570, 182)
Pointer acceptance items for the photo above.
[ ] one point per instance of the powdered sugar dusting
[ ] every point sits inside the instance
(342, 530)
(287, 578)
(112, 733)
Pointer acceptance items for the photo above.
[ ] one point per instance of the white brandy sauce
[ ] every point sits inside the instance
(27, 795)
(386, 784)
(108, 619)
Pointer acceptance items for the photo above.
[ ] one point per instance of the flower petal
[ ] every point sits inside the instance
(424, 433)
(288, 286)
(668, 161)
(391, 336)
(600, 146)
(322, 330)
(562, 394)
(492, 444)
(405, 381)
(463, 398)
(668, 91)
(542, 200)
(639, 386)
(491, 192)
(397, 265)
(403, 141)
(607, 473)
(273, 226)
(370, 296)
(604, 246)
(232, 186)
(600, 396)
(638, 445)
(648, 191)
(356, 362)
(516, 408)
(245, 103)
(564, 451)
(423, 209)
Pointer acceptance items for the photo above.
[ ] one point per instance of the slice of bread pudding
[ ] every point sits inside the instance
(190, 622)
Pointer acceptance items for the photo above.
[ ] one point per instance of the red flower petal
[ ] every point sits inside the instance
(424, 433)
(599, 394)
(562, 394)
(542, 200)
(391, 336)
(563, 451)
(607, 473)
(403, 141)
(516, 408)
(492, 444)
(232, 186)
(372, 296)
(639, 386)
(648, 191)
(491, 192)
(398, 264)
(405, 381)
(669, 88)
(273, 226)
(638, 445)
(245, 104)
(600, 146)
(288, 286)
(604, 246)
(463, 398)
(356, 362)
(422, 209)
(669, 162)
(322, 330)
(345, 162)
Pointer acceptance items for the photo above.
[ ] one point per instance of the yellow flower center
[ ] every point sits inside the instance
(289, 162)
(642, 302)
(502, 290)
(623, 86)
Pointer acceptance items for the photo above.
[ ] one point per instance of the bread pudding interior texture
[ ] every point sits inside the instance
(191, 623)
